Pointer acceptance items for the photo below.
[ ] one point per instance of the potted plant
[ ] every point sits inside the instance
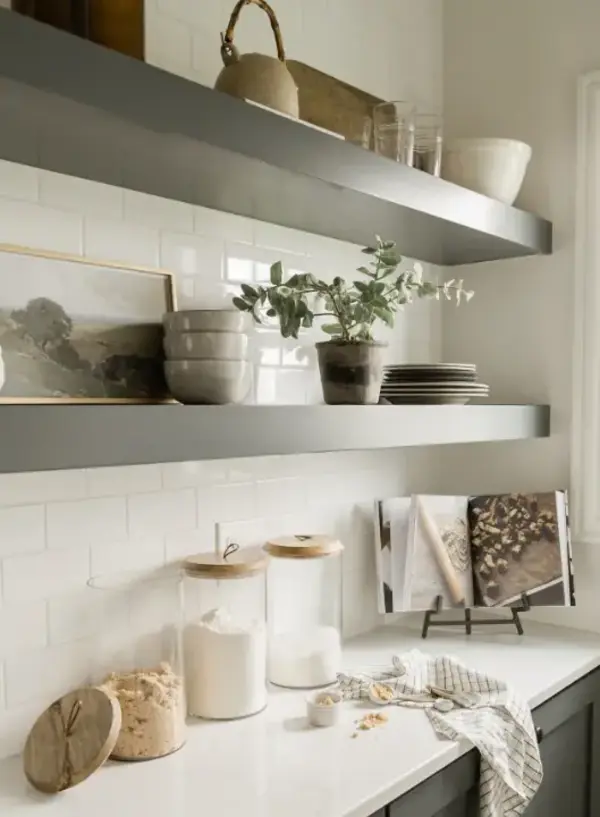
(351, 361)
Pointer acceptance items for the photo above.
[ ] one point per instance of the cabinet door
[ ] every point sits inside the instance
(453, 792)
(569, 731)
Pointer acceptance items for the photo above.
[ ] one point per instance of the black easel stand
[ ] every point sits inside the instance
(468, 622)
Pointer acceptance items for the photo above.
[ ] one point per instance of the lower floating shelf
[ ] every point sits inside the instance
(51, 437)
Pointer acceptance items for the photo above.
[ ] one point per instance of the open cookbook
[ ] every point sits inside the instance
(478, 551)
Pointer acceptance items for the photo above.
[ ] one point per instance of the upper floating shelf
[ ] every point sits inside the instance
(50, 437)
(77, 108)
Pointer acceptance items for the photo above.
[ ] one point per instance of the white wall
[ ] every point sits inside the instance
(58, 529)
(511, 70)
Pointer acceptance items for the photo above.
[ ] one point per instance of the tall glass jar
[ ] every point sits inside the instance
(429, 138)
(225, 638)
(304, 610)
(138, 658)
(395, 131)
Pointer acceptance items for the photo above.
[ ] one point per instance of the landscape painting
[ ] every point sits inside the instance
(75, 330)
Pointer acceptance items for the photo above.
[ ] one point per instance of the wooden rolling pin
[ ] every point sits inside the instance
(442, 558)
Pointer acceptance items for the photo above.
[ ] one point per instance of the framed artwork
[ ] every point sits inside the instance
(75, 330)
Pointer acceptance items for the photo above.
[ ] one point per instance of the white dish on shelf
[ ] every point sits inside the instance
(494, 167)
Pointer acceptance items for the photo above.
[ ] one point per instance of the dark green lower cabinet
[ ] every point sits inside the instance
(568, 728)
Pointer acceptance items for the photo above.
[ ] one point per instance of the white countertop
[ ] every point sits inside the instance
(273, 764)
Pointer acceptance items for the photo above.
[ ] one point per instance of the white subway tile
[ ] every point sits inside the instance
(161, 512)
(80, 195)
(76, 615)
(45, 228)
(133, 555)
(188, 12)
(41, 486)
(18, 181)
(227, 503)
(192, 255)
(281, 496)
(22, 530)
(22, 627)
(280, 239)
(117, 241)
(180, 544)
(46, 574)
(86, 521)
(163, 214)
(192, 474)
(130, 479)
(247, 533)
(224, 225)
(48, 672)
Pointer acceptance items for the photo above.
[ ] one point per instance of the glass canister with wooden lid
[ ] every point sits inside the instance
(304, 610)
(225, 634)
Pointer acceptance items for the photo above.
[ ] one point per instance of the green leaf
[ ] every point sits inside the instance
(271, 313)
(332, 329)
(293, 281)
(249, 291)
(361, 286)
(366, 271)
(388, 245)
(385, 315)
(276, 273)
(301, 309)
(307, 320)
(240, 304)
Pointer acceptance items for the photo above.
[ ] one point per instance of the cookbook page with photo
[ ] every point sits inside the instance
(438, 554)
(520, 544)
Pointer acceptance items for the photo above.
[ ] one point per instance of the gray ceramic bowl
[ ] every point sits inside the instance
(215, 382)
(206, 320)
(206, 346)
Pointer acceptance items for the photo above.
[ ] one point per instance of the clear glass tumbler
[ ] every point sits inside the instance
(429, 138)
(395, 131)
(139, 659)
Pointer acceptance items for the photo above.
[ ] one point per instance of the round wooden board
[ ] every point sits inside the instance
(54, 760)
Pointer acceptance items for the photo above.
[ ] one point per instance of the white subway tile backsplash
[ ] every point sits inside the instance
(163, 214)
(86, 521)
(227, 503)
(180, 544)
(47, 672)
(223, 225)
(192, 474)
(168, 42)
(76, 615)
(41, 486)
(281, 496)
(133, 555)
(78, 195)
(131, 479)
(46, 574)
(44, 228)
(22, 627)
(15, 724)
(22, 530)
(157, 513)
(126, 243)
(18, 181)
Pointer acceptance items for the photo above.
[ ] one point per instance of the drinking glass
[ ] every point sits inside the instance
(395, 131)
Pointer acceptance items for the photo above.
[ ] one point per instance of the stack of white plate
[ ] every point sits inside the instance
(435, 383)
(207, 356)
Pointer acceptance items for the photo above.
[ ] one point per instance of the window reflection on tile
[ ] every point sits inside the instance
(269, 356)
(298, 356)
(280, 386)
(240, 269)
(262, 273)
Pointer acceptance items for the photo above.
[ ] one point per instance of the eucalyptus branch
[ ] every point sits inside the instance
(353, 307)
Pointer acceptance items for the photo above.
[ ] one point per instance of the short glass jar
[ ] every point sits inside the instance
(138, 658)
(304, 610)
(395, 131)
(225, 637)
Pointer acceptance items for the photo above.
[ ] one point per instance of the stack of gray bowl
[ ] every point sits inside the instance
(207, 356)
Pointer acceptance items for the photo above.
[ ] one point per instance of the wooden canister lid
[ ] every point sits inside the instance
(71, 739)
(234, 563)
(303, 546)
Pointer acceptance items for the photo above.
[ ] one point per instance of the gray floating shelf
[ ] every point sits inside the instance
(50, 437)
(76, 108)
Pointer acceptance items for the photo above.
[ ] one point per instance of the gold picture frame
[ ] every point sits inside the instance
(55, 337)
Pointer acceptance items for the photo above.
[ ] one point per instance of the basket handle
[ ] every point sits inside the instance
(228, 50)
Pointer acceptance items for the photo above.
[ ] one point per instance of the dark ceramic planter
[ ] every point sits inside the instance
(351, 373)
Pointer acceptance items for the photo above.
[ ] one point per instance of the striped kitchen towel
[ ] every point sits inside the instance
(487, 711)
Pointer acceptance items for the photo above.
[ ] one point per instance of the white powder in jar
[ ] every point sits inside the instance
(306, 658)
(225, 664)
(153, 712)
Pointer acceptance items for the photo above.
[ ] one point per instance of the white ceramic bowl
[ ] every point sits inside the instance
(324, 715)
(214, 382)
(206, 320)
(206, 346)
(494, 167)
